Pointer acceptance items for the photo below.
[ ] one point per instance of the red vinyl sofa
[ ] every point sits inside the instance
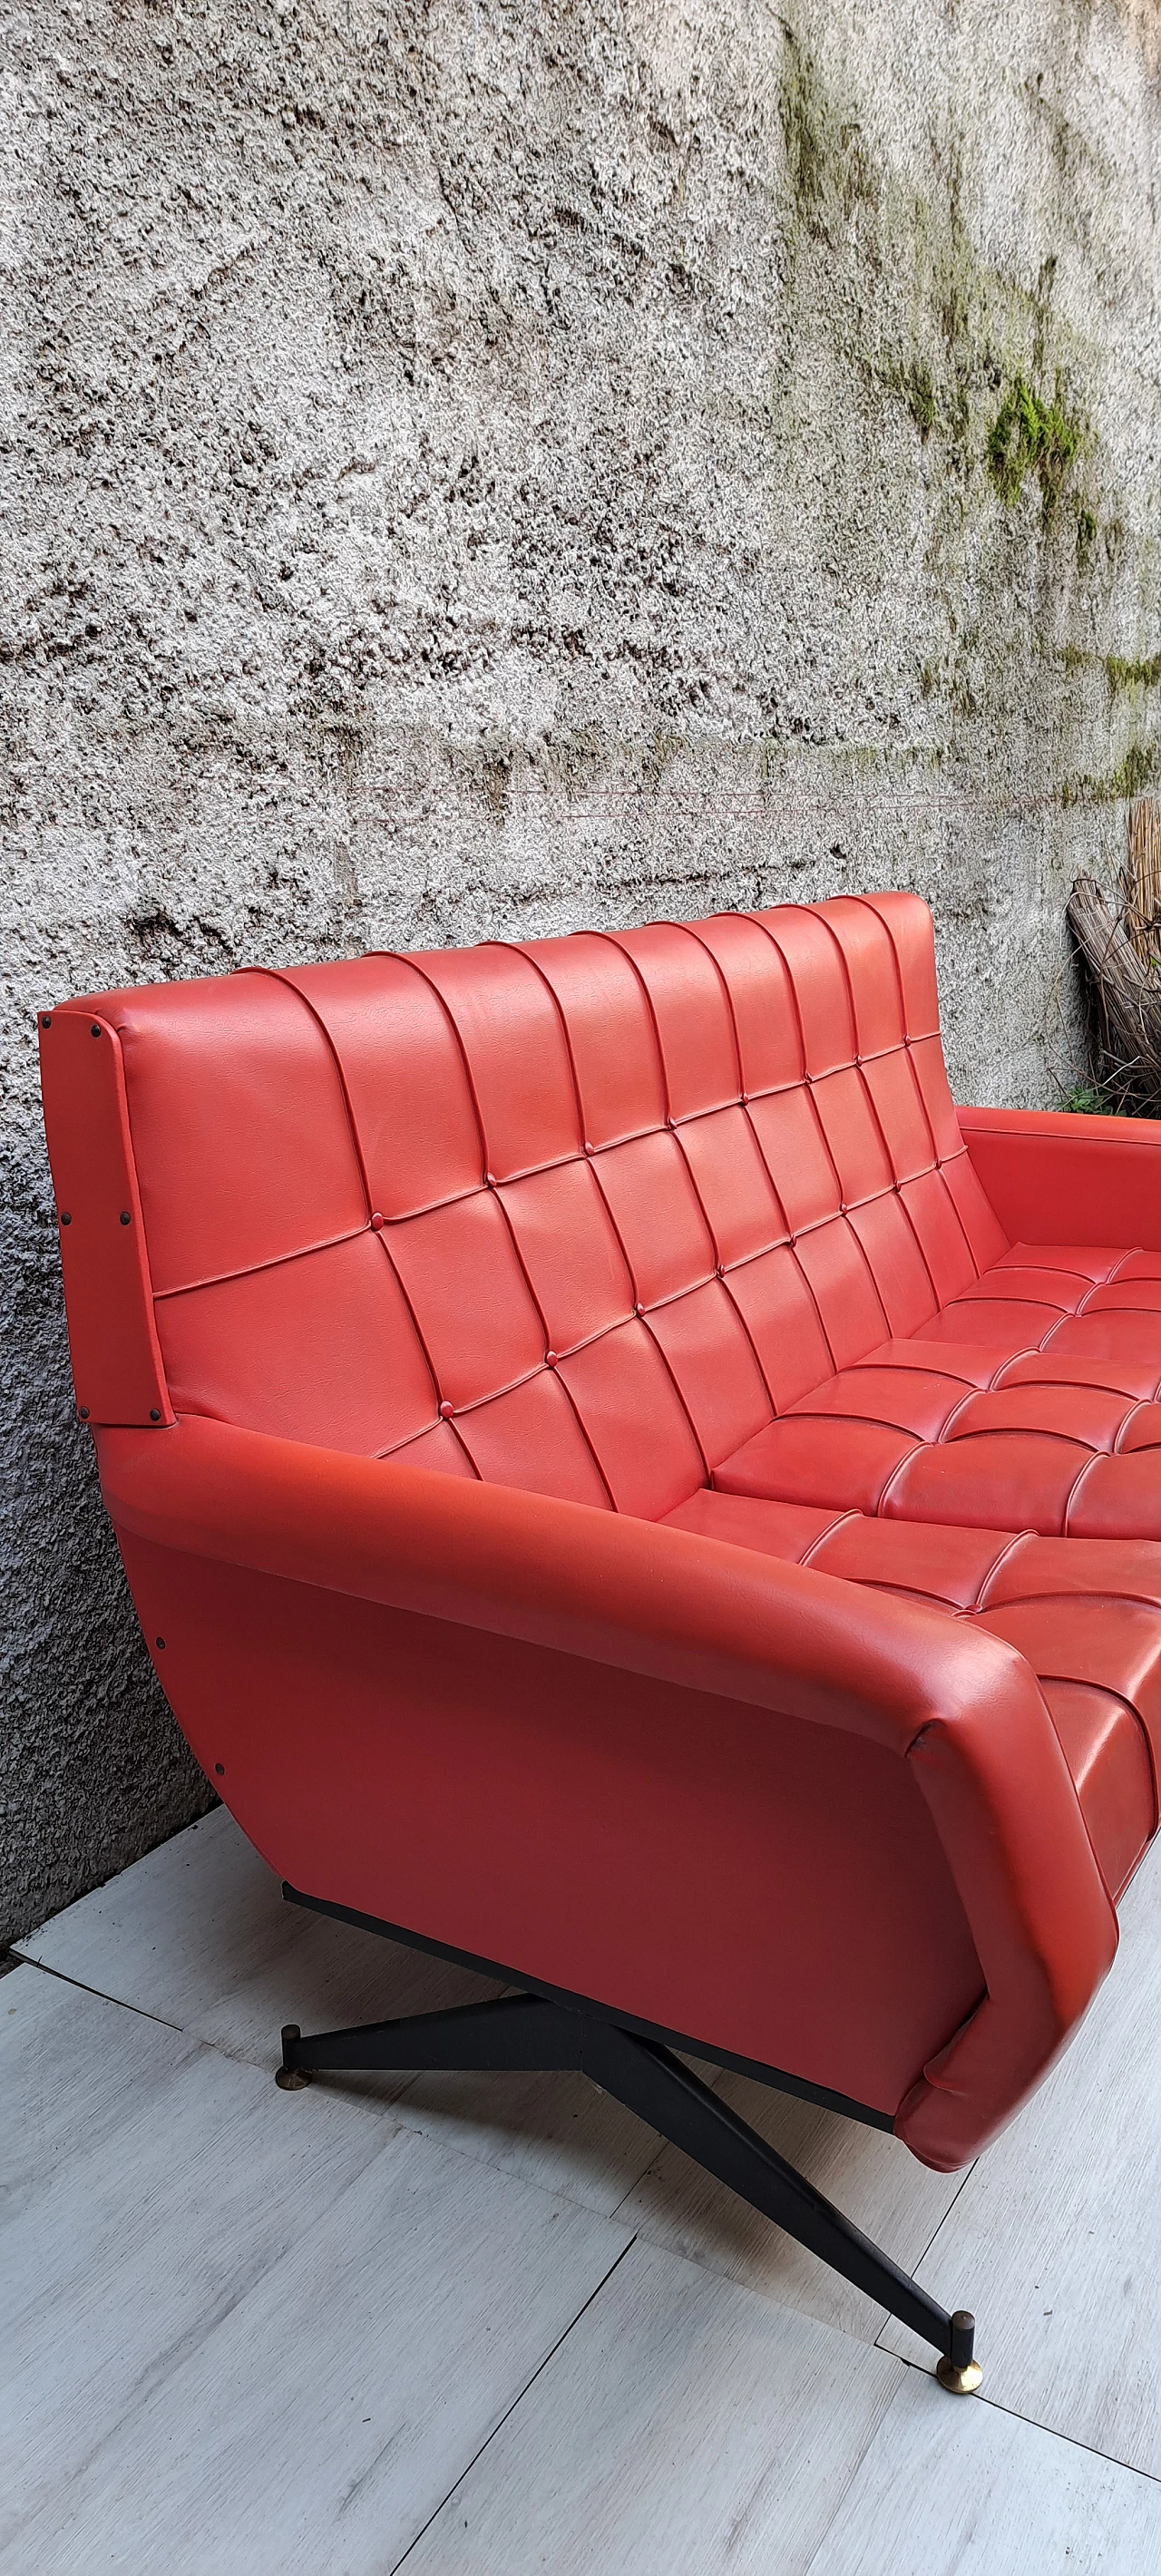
(624, 1485)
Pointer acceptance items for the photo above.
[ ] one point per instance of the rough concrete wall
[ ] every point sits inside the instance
(492, 468)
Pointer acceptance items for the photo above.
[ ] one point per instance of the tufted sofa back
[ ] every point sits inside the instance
(579, 1215)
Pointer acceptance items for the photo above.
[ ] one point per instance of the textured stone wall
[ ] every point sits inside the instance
(492, 468)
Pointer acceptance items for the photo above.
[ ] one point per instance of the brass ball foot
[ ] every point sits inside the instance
(962, 2382)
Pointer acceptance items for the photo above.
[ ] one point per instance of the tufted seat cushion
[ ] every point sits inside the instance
(1039, 1410)
(1085, 1614)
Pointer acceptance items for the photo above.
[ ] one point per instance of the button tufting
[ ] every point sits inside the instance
(550, 1359)
(377, 1222)
(446, 1411)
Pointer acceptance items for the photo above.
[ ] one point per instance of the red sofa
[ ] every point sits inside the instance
(620, 1481)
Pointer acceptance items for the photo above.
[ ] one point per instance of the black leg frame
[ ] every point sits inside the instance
(536, 2031)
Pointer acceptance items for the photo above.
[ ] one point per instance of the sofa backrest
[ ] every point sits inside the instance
(579, 1215)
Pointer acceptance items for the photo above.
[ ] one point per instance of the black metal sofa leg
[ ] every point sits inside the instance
(653, 2082)
(520, 2032)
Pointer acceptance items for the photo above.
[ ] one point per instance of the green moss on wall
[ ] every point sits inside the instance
(1132, 675)
(1137, 770)
(913, 381)
(1031, 436)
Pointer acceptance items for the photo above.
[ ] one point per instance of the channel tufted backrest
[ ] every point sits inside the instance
(579, 1216)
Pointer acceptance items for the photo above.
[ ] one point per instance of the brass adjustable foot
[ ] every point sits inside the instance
(962, 2383)
(958, 2370)
(290, 2079)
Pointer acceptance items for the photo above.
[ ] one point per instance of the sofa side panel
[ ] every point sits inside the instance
(772, 1886)
(116, 1359)
(1053, 1178)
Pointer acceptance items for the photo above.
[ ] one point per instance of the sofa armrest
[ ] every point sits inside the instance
(660, 1601)
(960, 1707)
(1053, 1178)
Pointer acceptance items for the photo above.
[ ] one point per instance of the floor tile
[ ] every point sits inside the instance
(238, 2341)
(199, 1934)
(555, 2130)
(1055, 2239)
(951, 2486)
(683, 2427)
(870, 2175)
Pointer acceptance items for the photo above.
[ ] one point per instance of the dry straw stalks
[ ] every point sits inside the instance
(1121, 971)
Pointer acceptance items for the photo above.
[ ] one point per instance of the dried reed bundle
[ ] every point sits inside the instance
(1121, 978)
(1141, 879)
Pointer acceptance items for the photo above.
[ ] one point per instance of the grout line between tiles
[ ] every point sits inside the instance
(425, 2131)
(518, 2400)
(99, 1991)
(1055, 2432)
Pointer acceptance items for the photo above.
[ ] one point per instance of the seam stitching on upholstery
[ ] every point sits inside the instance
(251, 1269)
(1074, 1489)
(896, 1472)
(1015, 1543)
(842, 1521)
(1134, 1409)
(400, 957)
(282, 975)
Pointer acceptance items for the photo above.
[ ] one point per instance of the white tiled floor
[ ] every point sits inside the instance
(486, 2327)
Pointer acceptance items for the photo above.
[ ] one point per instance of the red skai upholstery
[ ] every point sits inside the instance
(635, 1488)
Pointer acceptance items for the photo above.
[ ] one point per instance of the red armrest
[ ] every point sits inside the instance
(960, 1707)
(1052, 1178)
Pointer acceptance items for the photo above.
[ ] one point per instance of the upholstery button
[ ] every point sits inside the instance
(154, 1415)
(638, 1310)
(490, 1179)
(377, 1222)
(126, 1219)
(589, 1149)
(83, 1410)
(64, 1218)
(446, 1411)
(550, 1359)
(46, 1019)
(94, 1031)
